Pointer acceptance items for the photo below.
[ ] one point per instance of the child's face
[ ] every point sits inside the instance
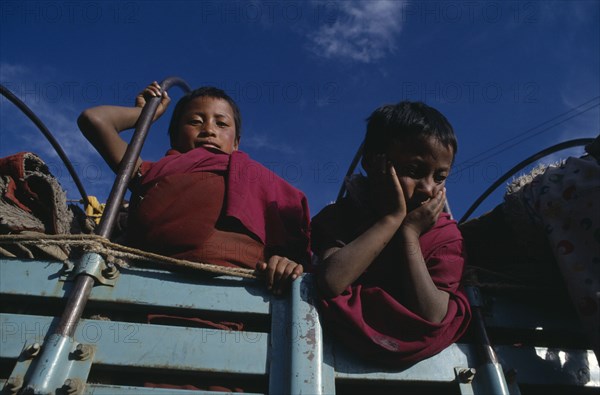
(422, 167)
(207, 122)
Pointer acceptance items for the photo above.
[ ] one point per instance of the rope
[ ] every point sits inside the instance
(103, 246)
(110, 250)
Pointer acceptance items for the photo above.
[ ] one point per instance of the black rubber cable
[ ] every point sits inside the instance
(61, 153)
(520, 166)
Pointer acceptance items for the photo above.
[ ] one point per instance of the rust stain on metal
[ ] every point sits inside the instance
(311, 337)
(310, 319)
(311, 340)
(310, 355)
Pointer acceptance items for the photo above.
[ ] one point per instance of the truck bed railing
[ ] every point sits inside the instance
(282, 350)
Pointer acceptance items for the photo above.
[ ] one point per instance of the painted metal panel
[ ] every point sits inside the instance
(149, 346)
(297, 357)
(328, 369)
(292, 355)
(140, 286)
(533, 366)
(60, 364)
(438, 368)
(99, 389)
(96, 389)
(306, 362)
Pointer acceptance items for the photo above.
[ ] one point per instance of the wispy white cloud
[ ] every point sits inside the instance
(364, 31)
(10, 72)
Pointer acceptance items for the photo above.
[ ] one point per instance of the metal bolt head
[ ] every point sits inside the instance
(13, 384)
(466, 375)
(32, 350)
(73, 386)
(82, 352)
(110, 271)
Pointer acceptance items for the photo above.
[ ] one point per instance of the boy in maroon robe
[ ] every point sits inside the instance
(206, 201)
(390, 261)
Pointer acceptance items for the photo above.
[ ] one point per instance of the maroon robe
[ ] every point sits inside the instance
(217, 208)
(369, 315)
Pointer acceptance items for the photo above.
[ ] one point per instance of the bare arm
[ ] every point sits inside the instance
(421, 295)
(342, 266)
(101, 125)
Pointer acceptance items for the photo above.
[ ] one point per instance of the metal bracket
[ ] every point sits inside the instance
(59, 364)
(93, 265)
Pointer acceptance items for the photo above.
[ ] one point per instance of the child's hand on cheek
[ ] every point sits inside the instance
(422, 218)
(387, 194)
(279, 272)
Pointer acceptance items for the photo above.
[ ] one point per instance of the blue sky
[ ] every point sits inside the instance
(307, 74)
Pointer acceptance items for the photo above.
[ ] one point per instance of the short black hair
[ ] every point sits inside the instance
(403, 121)
(205, 91)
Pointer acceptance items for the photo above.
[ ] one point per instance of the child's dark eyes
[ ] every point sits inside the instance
(196, 122)
(440, 178)
(415, 172)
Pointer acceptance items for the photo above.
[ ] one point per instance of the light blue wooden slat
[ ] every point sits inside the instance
(438, 368)
(149, 346)
(140, 286)
(99, 389)
(534, 366)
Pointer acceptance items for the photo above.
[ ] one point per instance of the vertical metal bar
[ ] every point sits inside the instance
(83, 285)
(75, 305)
(306, 363)
(130, 158)
(51, 367)
(490, 377)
